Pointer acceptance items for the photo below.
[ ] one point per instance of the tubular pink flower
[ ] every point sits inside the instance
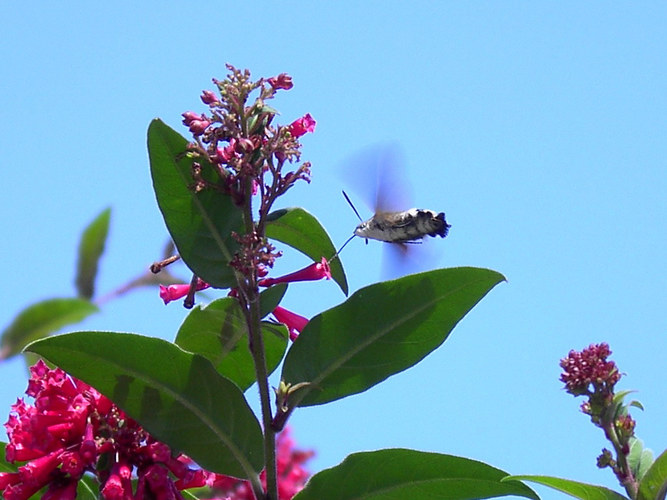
(304, 124)
(119, 485)
(8, 478)
(175, 292)
(294, 323)
(282, 81)
(314, 272)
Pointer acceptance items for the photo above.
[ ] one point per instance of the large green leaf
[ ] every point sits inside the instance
(42, 319)
(399, 474)
(302, 231)
(91, 247)
(199, 223)
(177, 396)
(653, 485)
(572, 488)
(219, 333)
(381, 330)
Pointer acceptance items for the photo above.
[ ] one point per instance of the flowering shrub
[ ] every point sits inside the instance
(144, 418)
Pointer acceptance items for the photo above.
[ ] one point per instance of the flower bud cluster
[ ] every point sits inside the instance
(238, 140)
(588, 372)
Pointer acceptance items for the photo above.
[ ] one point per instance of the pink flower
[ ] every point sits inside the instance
(315, 271)
(282, 81)
(294, 323)
(304, 124)
(175, 292)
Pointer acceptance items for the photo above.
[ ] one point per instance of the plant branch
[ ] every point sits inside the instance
(250, 293)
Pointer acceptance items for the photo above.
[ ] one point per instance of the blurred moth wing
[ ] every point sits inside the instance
(377, 175)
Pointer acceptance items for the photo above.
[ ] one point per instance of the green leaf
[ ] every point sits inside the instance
(572, 488)
(91, 248)
(399, 474)
(302, 231)
(639, 458)
(42, 319)
(176, 396)
(199, 223)
(270, 298)
(381, 330)
(219, 333)
(653, 485)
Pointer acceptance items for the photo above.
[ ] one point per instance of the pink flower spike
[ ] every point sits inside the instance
(294, 323)
(175, 292)
(304, 124)
(315, 271)
(282, 81)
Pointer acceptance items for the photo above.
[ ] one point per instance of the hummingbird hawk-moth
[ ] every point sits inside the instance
(381, 169)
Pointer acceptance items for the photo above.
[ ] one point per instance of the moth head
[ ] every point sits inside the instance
(361, 229)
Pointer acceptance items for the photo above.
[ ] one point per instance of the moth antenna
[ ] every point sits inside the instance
(335, 256)
(355, 210)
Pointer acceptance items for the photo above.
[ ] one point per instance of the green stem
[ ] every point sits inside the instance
(628, 479)
(256, 344)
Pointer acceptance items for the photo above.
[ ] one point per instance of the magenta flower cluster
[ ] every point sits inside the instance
(72, 429)
(588, 372)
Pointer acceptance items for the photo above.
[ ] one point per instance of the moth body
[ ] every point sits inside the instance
(402, 227)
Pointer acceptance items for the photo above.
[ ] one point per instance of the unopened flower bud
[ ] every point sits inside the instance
(195, 122)
(208, 97)
(245, 145)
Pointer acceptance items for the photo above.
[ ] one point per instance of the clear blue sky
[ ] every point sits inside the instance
(539, 128)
